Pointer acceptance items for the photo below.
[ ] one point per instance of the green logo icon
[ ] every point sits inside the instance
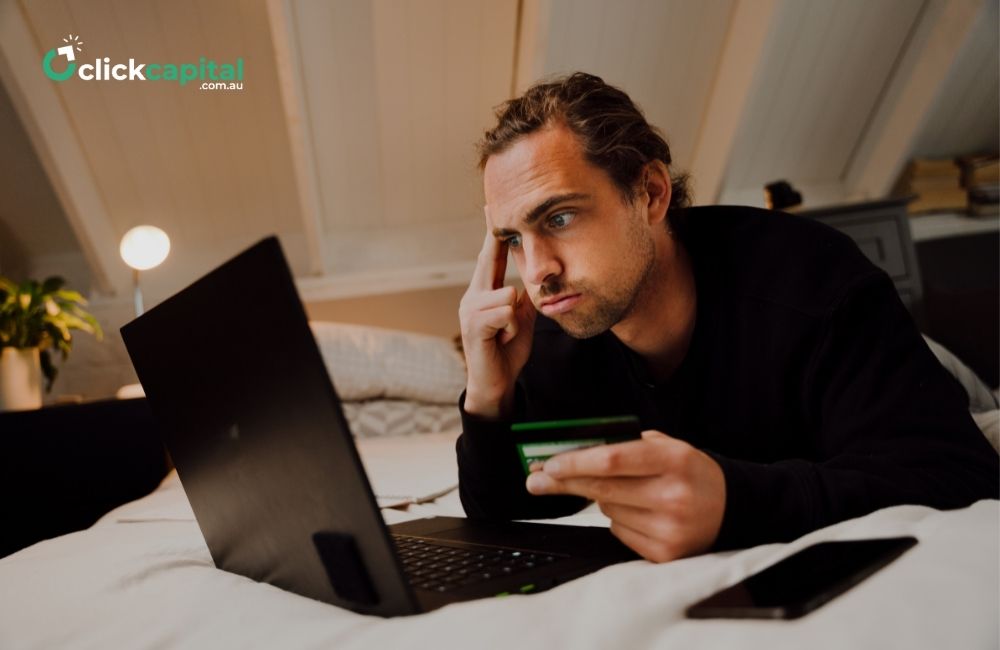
(73, 42)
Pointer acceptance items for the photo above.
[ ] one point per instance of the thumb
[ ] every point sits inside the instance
(653, 434)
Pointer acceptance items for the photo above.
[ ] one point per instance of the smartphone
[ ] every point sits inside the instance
(802, 582)
(539, 441)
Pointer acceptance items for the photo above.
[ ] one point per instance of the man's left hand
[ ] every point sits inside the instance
(664, 497)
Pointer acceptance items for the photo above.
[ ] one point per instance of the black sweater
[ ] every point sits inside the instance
(806, 380)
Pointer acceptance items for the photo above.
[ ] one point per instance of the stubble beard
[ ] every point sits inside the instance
(618, 298)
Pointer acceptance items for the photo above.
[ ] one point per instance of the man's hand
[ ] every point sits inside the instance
(497, 329)
(665, 498)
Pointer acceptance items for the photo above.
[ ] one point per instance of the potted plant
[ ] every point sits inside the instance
(36, 317)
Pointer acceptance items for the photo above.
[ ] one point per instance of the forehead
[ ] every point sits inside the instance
(539, 165)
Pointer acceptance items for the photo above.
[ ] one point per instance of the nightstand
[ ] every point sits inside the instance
(946, 269)
(63, 467)
(881, 229)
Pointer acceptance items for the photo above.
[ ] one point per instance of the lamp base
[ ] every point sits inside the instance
(130, 391)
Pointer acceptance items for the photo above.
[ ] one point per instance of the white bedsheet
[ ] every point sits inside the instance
(142, 577)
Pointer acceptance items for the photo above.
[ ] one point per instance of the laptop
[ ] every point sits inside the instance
(254, 426)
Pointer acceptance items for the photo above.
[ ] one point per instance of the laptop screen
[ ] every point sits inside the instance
(254, 426)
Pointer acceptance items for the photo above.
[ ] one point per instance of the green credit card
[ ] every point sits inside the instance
(539, 441)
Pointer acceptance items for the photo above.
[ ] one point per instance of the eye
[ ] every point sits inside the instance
(514, 241)
(561, 220)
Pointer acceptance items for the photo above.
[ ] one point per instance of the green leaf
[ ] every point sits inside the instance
(53, 284)
(71, 296)
(43, 315)
(71, 322)
(62, 329)
(51, 308)
(48, 337)
(96, 331)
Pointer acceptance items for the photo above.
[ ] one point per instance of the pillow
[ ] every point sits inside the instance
(395, 417)
(981, 399)
(989, 423)
(371, 362)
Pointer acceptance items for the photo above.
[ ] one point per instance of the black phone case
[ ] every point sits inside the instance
(804, 581)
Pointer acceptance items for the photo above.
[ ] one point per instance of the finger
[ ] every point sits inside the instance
(524, 318)
(639, 492)
(491, 265)
(641, 520)
(499, 255)
(482, 274)
(644, 545)
(481, 300)
(490, 321)
(511, 329)
(633, 458)
(499, 263)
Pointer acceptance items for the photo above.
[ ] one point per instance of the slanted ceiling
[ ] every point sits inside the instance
(353, 136)
(395, 95)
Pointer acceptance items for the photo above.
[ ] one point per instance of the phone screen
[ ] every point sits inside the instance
(802, 582)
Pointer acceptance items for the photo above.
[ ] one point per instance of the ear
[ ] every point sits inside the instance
(656, 186)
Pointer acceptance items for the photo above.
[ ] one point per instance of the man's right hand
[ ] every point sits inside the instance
(497, 329)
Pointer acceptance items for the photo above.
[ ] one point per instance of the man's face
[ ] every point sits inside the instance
(571, 233)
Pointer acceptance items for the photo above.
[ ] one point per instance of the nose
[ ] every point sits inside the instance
(540, 261)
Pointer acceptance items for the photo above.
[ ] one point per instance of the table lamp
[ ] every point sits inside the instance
(143, 248)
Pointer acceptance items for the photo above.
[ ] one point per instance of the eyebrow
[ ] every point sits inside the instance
(536, 212)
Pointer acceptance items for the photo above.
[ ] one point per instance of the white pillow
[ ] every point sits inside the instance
(400, 417)
(981, 399)
(989, 423)
(371, 362)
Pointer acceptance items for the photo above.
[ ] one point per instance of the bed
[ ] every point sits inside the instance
(142, 577)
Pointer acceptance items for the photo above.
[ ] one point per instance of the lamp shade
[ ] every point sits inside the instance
(144, 247)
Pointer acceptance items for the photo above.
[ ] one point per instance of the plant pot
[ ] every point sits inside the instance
(20, 379)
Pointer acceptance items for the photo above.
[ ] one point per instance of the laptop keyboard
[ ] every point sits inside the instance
(438, 567)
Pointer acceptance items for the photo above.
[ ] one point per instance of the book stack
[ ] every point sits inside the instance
(981, 179)
(936, 184)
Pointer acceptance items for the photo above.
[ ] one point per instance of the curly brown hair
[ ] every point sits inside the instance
(612, 130)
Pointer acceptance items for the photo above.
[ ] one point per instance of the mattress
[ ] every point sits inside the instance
(142, 577)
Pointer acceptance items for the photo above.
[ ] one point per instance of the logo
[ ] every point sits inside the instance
(74, 42)
(209, 74)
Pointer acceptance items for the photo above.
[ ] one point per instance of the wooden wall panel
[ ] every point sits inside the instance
(819, 81)
(966, 115)
(664, 53)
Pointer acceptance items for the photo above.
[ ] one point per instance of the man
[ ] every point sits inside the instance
(781, 382)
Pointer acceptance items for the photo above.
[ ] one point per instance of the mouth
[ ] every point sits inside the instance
(560, 304)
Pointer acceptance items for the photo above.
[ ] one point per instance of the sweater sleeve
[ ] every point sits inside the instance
(490, 479)
(892, 427)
